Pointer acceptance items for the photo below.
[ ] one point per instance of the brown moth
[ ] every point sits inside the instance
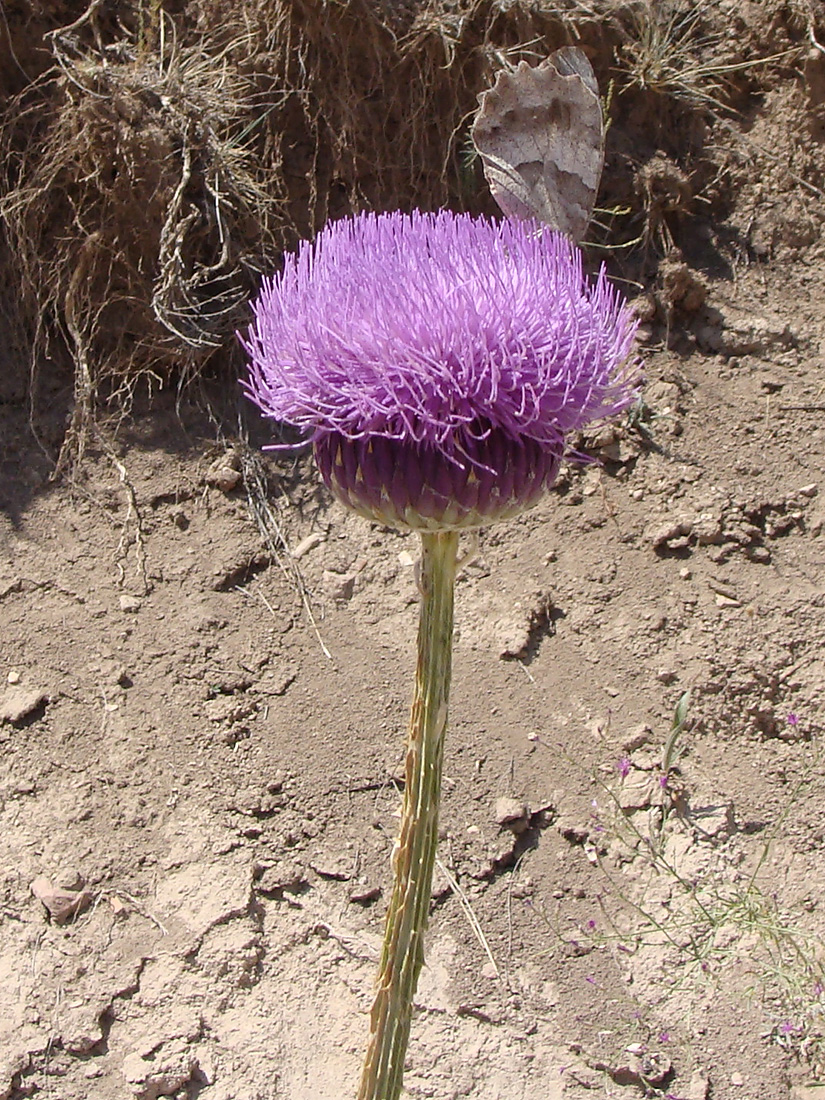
(540, 134)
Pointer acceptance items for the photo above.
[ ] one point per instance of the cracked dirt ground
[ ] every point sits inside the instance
(177, 748)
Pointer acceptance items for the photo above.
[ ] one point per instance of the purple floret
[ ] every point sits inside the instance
(434, 329)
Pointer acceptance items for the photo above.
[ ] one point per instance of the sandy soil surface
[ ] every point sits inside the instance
(198, 801)
(205, 670)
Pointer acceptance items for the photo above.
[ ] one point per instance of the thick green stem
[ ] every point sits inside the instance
(414, 855)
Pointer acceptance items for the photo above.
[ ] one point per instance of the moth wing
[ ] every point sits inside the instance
(540, 135)
(571, 61)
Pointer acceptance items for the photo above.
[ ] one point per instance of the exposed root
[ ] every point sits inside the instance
(157, 161)
(273, 537)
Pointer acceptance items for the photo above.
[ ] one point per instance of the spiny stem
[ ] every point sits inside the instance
(414, 855)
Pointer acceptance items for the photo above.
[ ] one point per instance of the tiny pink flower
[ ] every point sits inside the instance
(623, 766)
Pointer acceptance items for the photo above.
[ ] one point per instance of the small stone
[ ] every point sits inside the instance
(363, 895)
(512, 813)
(18, 703)
(331, 867)
(727, 601)
(640, 1069)
(736, 334)
(81, 1035)
(707, 528)
(315, 538)
(134, 1068)
(225, 472)
(123, 679)
(638, 736)
(441, 885)
(522, 890)
(161, 1075)
(70, 879)
(808, 1092)
(635, 793)
(513, 638)
(339, 586)
(808, 490)
(685, 573)
(61, 904)
(714, 822)
(646, 759)
(759, 554)
(129, 604)
(248, 801)
(674, 535)
(284, 875)
(736, 1078)
(603, 437)
(277, 681)
(573, 831)
(699, 1085)
(13, 677)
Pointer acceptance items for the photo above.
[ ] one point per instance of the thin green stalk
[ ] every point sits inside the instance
(414, 855)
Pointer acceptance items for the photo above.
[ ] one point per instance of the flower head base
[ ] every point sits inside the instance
(439, 361)
(410, 485)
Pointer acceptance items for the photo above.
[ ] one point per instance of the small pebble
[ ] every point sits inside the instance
(309, 543)
(512, 813)
(363, 895)
(727, 601)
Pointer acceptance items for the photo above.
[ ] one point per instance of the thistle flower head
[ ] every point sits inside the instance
(438, 361)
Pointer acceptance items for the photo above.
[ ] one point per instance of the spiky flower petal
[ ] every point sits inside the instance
(438, 361)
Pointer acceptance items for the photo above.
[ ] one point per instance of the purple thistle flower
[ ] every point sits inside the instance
(623, 766)
(438, 361)
(793, 719)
